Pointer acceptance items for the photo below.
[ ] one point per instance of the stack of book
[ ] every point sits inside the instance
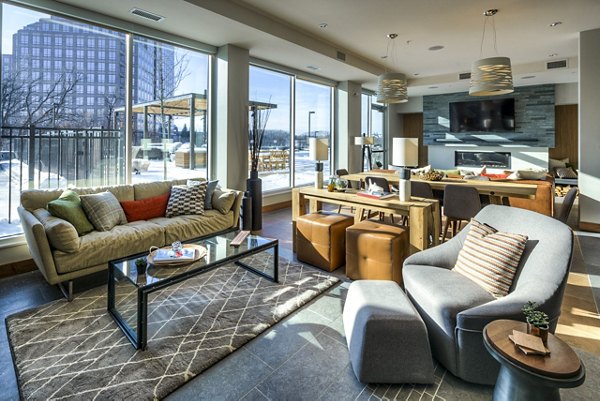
(376, 195)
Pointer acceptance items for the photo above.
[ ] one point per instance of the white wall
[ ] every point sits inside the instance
(566, 93)
(522, 158)
(589, 128)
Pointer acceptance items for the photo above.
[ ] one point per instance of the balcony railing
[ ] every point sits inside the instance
(33, 157)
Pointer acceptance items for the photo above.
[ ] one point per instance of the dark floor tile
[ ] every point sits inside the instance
(300, 378)
(345, 387)
(229, 379)
(254, 395)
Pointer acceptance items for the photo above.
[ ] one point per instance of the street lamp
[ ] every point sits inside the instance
(310, 113)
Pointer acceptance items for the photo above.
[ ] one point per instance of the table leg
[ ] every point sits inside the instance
(419, 228)
(298, 209)
(512, 386)
(437, 223)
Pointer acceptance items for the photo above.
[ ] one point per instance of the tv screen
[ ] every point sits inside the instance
(497, 115)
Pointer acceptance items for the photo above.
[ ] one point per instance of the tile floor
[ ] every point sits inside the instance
(303, 357)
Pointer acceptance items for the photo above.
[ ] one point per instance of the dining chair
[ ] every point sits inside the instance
(351, 184)
(380, 182)
(567, 205)
(460, 203)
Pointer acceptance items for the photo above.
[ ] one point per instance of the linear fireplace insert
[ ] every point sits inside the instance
(480, 159)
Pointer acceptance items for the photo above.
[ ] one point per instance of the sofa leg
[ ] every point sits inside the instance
(67, 292)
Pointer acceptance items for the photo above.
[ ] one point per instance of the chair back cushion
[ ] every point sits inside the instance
(490, 258)
(461, 202)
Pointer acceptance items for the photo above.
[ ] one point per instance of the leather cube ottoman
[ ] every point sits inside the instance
(321, 239)
(376, 251)
(386, 337)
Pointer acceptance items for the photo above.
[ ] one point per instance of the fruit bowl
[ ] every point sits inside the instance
(432, 175)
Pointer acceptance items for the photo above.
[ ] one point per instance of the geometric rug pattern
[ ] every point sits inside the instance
(74, 350)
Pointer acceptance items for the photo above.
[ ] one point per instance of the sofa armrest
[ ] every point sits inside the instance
(38, 244)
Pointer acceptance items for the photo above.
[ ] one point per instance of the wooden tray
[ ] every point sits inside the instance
(199, 254)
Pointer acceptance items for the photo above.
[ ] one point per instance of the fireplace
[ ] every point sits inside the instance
(480, 159)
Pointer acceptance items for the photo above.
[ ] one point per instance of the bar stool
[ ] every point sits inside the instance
(460, 203)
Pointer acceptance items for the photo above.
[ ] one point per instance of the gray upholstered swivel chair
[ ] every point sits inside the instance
(455, 309)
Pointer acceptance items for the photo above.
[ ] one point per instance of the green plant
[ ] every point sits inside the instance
(535, 317)
(141, 262)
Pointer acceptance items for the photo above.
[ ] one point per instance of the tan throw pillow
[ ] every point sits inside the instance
(186, 200)
(490, 258)
(223, 200)
(556, 163)
(103, 210)
(61, 234)
(566, 172)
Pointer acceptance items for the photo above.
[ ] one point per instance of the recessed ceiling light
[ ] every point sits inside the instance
(312, 67)
(436, 47)
(528, 77)
(552, 54)
(323, 25)
(556, 23)
(416, 74)
(433, 87)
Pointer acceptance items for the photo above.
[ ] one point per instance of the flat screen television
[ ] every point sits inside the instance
(496, 115)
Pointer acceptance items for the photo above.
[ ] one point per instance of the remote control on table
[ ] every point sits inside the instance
(237, 241)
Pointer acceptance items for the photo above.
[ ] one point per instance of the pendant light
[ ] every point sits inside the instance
(491, 76)
(391, 86)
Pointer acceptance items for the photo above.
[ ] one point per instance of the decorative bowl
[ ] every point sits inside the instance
(432, 175)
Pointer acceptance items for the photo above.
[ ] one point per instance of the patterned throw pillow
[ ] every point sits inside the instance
(566, 172)
(210, 189)
(103, 210)
(490, 258)
(186, 200)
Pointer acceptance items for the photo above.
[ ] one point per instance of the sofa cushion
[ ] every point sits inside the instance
(186, 200)
(146, 209)
(155, 188)
(182, 228)
(566, 172)
(210, 189)
(121, 192)
(490, 258)
(223, 200)
(100, 247)
(441, 294)
(103, 210)
(68, 207)
(61, 234)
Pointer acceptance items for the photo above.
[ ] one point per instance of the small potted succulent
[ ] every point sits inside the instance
(140, 265)
(538, 322)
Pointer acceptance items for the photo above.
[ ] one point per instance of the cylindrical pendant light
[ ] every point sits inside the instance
(391, 88)
(491, 76)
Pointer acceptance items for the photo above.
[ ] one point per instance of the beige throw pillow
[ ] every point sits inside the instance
(490, 258)
(61, 234)
(223, 200)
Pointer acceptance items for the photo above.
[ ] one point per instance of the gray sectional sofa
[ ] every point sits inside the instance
(91, 252)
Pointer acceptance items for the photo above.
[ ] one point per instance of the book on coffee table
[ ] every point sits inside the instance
(529, 344)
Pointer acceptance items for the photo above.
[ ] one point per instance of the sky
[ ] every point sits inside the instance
(265, 85)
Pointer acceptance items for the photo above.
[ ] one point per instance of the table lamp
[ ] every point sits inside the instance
(365, 142)
(405, 153)
(318, 149)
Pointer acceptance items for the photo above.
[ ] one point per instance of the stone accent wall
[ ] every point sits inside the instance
(534, 119)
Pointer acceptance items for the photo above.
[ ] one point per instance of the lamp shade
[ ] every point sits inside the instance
(318, 149)
(391, 88)
(491, 76)
(405, 152)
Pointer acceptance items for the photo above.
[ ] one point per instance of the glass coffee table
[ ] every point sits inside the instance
(132, 289)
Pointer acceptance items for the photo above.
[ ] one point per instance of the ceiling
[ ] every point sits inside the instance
(288, 32)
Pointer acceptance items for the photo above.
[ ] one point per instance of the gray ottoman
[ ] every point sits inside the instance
(386, 337)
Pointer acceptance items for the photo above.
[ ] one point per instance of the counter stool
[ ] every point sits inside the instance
(321, 239)
(376, 251)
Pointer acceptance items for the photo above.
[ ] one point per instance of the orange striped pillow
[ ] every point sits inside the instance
(490, 258)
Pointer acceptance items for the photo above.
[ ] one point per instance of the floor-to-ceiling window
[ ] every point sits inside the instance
(271, 94)
(373, 125)
(170, 92)
(313, 120)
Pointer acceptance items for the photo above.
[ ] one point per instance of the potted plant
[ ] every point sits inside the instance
(140, 265)
(259, 115)
(538, 322)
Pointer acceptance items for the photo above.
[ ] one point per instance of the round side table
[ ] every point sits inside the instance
(530, 377)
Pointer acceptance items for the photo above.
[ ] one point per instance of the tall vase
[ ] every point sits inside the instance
(254, 186)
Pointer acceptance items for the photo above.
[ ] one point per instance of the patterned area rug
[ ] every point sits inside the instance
(75, 350)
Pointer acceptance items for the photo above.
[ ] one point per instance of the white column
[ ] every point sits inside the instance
(348, 124)
(589, 126)
(229, 147)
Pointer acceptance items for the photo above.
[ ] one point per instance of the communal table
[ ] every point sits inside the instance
(530, 377)
(424, 215)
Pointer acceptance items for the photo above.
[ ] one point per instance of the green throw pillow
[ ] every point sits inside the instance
(68, 207)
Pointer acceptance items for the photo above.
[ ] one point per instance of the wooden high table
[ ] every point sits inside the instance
(530, 377)
(497, 190)
(423, 213)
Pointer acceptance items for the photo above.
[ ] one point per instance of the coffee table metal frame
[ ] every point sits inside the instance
(139, 337)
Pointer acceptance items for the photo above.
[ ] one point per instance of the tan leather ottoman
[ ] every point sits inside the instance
(321, 239)
(376, 251)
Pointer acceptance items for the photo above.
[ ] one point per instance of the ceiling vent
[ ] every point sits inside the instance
(341, 56)
(464, 75)
(146, 14)
(551, 65)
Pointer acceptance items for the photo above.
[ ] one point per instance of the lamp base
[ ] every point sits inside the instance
(404, 187)
(318, 179)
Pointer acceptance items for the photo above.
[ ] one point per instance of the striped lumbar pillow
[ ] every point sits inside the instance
(490, 258)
